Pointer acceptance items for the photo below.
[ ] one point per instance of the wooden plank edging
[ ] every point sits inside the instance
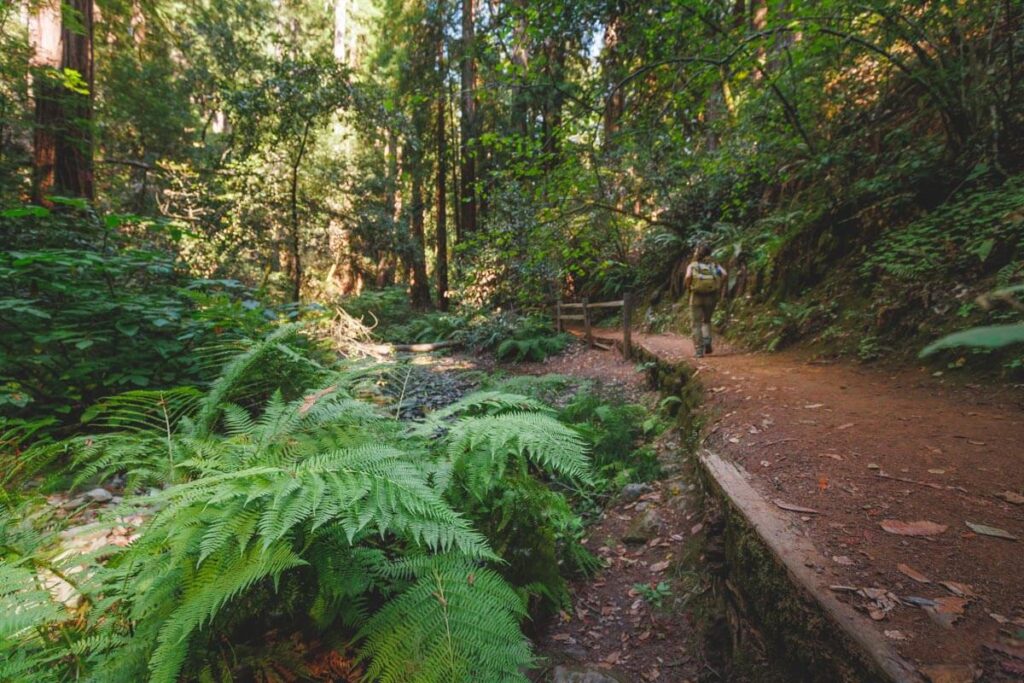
(795, 552)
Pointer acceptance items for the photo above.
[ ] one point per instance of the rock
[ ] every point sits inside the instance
(72, 503)
(564, 674)
(100, 495)
(631, 492)
(116, 500)
(643, 528)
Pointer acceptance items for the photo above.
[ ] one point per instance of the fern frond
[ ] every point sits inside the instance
(457, 623)
(481, 448)
(144, 410)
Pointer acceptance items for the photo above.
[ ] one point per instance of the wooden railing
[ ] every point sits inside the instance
(585, 307)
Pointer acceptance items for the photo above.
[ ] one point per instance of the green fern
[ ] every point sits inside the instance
(456, 623)
(313, 502)
(482, 448)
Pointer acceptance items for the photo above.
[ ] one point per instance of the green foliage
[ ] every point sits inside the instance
(515, 337)
(456, 622)
(613, 430)
(85, 313)
(654, 595)
(990, 337)
(301, 501)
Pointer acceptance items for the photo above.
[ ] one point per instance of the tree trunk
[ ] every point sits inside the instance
(295, 238)
(45, 41)
(74, 144)
(468, 123)
(758, 22)
(420, 285)
(615, 103)
(441, 258)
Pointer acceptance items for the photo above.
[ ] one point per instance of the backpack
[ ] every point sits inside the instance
(704, 278)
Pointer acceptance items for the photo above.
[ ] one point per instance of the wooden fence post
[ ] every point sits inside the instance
(586, 323)
(627, 325)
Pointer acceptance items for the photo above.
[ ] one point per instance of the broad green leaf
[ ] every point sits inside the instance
(990, 337)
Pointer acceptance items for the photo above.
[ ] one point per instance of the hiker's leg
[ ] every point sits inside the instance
(705, 328)
(696, 321)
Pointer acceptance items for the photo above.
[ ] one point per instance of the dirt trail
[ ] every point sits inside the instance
(648, 536)
(864, 445)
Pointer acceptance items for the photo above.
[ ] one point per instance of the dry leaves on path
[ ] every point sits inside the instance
(794, 508)
(913, 573)
(1011, 497)
(990, 531)
(950, 673)
(947, 611)
(918, 528)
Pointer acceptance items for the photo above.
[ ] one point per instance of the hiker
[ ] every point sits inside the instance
(704, 280)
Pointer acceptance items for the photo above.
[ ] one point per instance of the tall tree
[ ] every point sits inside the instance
(441, 133)
(45, 42)
(468, 122)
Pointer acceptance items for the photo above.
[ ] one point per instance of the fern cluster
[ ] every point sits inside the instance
(282, 506)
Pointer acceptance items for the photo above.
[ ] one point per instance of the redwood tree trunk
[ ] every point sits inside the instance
(74, 144)
(420, 285)
(45, 41)
(467, 180)
(441, 266)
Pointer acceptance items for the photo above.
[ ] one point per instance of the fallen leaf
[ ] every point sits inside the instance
(991, 531)
(947, 611)
(644, 636)
(896, 635)
(845, 426)
(999, 618)
(975, 443)
(834, 456)
(561, 636)
(822, 483)
(918, 602)
(919, 528)
(660, 566)
(812, 406)
(950, 605)
(1011, 497)
(936, 471)
(1014, 651)
(794, 508)
(962, 590)
(950, 673)
(696, 529)
(843, 560)
(613, 658)
(913, 573)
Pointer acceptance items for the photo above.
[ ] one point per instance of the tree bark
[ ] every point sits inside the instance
(420, 285)
(468, 123)
(441, 257)
(295, 238)
(615, 104)
(74, 168)
(45, 40)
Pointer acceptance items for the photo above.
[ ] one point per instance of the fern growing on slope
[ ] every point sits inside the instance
(313, 507)
(456, 623)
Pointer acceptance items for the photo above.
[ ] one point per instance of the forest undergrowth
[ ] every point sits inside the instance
(286, 522)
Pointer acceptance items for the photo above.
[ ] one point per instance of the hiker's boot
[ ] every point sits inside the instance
(707, 347)
(698, 351)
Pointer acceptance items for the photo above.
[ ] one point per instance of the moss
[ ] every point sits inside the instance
(752, 609)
